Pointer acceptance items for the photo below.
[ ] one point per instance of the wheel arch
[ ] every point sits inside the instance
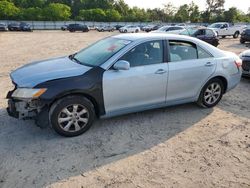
(224, 81)
(92, 99)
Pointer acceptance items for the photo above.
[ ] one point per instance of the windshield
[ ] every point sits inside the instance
(99, 52)
(163, 28)
(215, 25)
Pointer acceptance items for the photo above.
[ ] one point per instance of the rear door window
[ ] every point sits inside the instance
(182, 50)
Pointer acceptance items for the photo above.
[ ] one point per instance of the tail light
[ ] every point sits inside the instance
(238, 63)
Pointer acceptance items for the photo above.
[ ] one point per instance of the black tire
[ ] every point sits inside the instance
(136, 30)
(223, 37)
(242, 41)
(125, 31)
(202, 101)
(236, 34)
(56, 111)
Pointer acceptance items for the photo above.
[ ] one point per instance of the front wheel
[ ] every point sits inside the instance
(236, 34)
(211, 93)
(72, 115)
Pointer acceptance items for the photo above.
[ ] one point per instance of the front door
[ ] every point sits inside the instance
(143, 85)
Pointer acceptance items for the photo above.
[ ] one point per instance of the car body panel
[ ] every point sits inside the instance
(42, 71)
(138, 86)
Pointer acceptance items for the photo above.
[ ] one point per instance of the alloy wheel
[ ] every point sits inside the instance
(212, 93)
(73, 118)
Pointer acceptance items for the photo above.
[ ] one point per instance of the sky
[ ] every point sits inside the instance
(240, 4)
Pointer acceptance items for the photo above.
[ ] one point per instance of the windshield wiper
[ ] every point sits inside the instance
(72, 57)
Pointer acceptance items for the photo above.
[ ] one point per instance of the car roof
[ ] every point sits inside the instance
(140, 36)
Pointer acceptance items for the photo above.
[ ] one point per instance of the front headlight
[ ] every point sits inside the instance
(28, 93)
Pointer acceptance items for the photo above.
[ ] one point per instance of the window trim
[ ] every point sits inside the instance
(164, 48)
(193, 44)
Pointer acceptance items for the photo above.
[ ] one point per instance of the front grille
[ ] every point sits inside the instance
(246, 65)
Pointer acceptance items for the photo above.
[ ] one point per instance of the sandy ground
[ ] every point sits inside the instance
(182, 146)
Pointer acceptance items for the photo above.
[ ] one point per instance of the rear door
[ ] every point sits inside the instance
(140, 87)
(189, 68)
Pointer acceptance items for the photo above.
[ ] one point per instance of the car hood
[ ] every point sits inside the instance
(35, 73)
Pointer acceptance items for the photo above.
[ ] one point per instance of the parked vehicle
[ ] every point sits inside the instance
(64, 27)
(117, 27)
(224, 29)
(245, 36)
(245, 56)
(129, 29)
(205, 34)
(152, 28)
(170, 29)
(119, 75)
(105, 28)
(3, 27)
(19, 27)
(78, 27)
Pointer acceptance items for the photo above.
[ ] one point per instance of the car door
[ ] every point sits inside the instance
(189, 68)
(140, 87)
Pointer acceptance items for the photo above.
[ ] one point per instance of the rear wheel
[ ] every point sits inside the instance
(211, 93)
(136, 30)
(236, 34)
(242, 41)
(223, 37)
(125, 31)
(72, 115)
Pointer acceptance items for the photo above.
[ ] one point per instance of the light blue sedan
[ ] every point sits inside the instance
(121, 74)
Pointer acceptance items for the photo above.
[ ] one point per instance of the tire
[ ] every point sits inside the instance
(136, 30)
(236, 34)
(207, 99)
(223, 37)
(76, 113)
(242, 41)
(125, 31)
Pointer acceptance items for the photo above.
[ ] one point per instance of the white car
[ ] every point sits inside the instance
(130, 29)
(170, 29)
(224, 29)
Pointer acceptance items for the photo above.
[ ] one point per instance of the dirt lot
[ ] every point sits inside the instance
(182, 146)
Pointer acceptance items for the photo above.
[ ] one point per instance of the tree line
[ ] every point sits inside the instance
(116, 10)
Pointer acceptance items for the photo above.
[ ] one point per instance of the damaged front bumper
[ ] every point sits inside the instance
(28, 109)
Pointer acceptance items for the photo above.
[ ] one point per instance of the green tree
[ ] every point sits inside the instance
(8, 10)
(32, 13)
(92, 15)
(112, 15)
(182, 14)
(56, 12)
(214, 8)
(194, 13)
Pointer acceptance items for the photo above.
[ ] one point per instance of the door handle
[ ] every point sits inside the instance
(209, 64)
(160, 71)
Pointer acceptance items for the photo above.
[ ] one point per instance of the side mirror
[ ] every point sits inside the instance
(122, 65)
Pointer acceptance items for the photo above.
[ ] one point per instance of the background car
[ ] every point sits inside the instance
(170, 29)
(205, 34)
(3, 27)
(117, 27)
(152, 28)
(245, 36)
(64, 27)
(78, 27)
(105, 28)
(129, 29)
(245, 56)
(19, 27)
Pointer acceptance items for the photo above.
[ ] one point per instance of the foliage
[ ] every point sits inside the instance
(56, 12)
(8, 10)
(117, 10)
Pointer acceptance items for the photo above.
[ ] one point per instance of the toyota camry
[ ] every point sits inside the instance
(119, 75)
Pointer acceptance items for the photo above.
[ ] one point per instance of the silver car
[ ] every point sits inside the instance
(119, 75)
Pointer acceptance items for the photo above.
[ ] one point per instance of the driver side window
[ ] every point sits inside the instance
(145, 54)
